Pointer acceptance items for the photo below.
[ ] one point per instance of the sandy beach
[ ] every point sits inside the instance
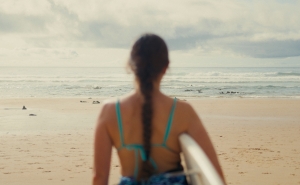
(257, 140)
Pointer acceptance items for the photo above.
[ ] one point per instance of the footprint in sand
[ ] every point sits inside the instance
(33, 163)
(266, 173)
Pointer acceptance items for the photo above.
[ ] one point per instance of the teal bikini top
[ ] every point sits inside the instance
(138, 148)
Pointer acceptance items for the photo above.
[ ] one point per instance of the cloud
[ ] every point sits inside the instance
(23, 24)
(260, 29)
(267, 48)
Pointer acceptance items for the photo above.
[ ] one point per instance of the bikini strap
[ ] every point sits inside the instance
(170, 120)
(120, 125)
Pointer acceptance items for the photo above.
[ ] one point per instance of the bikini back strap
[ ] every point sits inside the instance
(120, 125)
(170, 120)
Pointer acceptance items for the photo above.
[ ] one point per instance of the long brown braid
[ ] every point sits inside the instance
(149, 57)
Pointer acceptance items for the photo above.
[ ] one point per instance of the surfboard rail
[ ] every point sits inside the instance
(200, 170)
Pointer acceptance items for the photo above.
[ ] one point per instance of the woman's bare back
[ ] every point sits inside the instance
(130, 108)
(107, 134)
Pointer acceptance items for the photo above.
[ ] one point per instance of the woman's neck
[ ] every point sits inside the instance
(155, 91)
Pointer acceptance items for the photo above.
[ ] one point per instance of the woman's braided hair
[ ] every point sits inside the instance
(149, 57)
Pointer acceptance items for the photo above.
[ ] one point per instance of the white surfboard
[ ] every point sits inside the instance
(199, 168)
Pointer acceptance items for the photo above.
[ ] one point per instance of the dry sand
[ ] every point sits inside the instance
(257, 140)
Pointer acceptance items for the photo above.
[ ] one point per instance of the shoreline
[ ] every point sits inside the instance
(257, 140)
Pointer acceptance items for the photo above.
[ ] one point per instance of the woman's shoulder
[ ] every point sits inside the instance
(183, 106)
(107, 110)
(109, 104)
(185, 114)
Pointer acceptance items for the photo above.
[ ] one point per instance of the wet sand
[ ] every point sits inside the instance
(257, 140)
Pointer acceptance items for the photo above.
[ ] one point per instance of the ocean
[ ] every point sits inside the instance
(23, 82)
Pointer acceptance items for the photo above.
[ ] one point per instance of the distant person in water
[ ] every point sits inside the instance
(144, 125)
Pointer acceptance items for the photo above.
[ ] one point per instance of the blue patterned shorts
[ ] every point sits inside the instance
(160, 179)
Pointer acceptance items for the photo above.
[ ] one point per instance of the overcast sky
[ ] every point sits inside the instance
(206, 33)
